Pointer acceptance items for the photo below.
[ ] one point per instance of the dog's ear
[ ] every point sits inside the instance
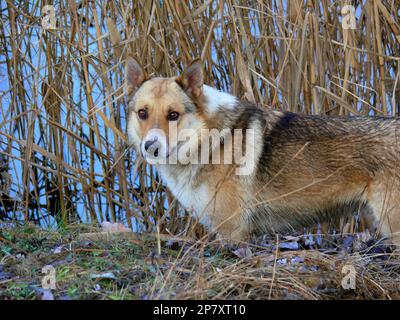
(191, 80)
(135, 75)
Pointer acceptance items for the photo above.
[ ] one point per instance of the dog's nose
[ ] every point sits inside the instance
(149, 143)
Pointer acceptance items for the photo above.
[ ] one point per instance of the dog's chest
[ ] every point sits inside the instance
(195, 199)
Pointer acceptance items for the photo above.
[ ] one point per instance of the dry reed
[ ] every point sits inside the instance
(63, 115)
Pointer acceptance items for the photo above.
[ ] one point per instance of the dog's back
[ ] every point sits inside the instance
(313, 167)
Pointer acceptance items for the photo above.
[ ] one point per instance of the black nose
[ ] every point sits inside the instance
(148, 144)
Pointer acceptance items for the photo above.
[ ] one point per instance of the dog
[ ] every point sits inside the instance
(306, 168)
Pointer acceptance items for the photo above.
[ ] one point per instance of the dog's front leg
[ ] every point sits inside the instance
(231, 229)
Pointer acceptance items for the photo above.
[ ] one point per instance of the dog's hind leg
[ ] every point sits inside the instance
(384, 200)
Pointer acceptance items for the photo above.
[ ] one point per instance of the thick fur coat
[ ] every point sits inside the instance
(307, 169)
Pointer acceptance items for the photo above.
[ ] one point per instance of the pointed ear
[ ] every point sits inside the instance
(134, 75)
(191, 80)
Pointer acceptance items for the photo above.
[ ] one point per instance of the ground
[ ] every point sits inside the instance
(90, 264)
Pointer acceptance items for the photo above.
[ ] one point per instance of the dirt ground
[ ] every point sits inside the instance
(84, 262)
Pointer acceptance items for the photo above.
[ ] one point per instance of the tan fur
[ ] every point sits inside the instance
(308, 168)
(384, 199)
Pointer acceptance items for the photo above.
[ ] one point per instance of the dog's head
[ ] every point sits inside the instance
(159, 108)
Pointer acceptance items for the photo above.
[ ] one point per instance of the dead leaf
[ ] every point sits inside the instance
(293, 245)
(106, 275)
(113, 227)
(57, 250)
(243, 252)
(47, 295)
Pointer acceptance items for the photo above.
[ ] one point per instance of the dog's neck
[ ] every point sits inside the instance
(216, 100)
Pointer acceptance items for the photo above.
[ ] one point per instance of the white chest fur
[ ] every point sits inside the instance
(197, 200)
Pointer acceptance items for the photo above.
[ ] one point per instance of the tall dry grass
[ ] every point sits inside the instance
(63, 116)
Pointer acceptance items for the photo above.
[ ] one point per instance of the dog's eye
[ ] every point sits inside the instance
(173, 116)
(142, 114)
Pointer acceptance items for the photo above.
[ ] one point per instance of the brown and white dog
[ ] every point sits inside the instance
(304, 169)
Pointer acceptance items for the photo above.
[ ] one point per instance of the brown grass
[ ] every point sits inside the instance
(133, 266)
(63, 117)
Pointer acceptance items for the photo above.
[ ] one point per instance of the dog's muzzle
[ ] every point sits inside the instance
(154, 146)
